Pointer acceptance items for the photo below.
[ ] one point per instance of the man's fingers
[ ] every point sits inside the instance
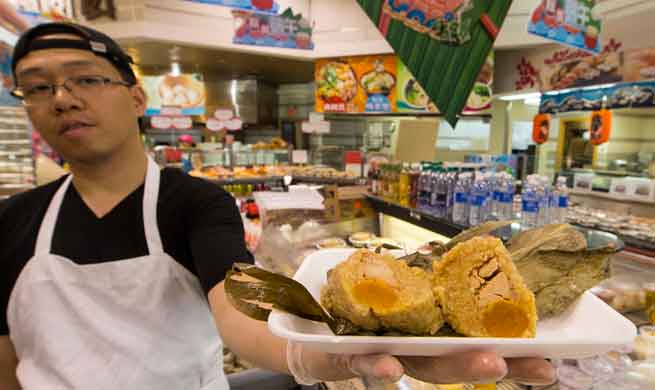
(531, 371)
(379, 368)
(470, 367)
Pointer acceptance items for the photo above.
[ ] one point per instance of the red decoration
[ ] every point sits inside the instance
(528, 75)
(541, 128)
(601, 126)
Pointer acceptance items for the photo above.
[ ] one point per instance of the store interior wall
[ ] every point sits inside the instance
(498, 136)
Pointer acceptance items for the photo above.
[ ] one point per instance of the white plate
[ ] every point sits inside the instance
(589, 327)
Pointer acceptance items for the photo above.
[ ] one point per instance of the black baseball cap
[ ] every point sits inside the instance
(92, 40)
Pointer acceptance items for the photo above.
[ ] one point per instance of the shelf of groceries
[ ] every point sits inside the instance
(445, 198)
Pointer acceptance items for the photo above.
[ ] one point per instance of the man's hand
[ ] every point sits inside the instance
(8, 363)
(471, 367)
(252, 341)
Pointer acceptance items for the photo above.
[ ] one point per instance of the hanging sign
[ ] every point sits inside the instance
(541, 128)
(185, 92)
(358, 84)
(286, 30)
(569, 22)
(182, 123)
(600, 127)
(623, 95)
(444, 43)
(224, 119)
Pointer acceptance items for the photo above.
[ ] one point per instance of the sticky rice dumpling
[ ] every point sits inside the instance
(378, 293)
(481, 292)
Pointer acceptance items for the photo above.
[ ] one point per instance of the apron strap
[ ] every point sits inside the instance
(150, 197)
(47, 229)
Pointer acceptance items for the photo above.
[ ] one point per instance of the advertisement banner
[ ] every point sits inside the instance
(568, 22)
(623, 95)
(412, 98)
(555, 69)
(268, 6)
(286, 30)
(363, 84)
(186, 91)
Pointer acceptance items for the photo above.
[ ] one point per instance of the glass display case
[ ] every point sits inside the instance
(17, 171)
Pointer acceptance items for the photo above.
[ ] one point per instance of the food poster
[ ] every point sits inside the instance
(16, 17)
(564, 68)
(412, 98)
(569, 22)
(286, 30)
(377, 83)
(410, 95)
(186, 91)
(268, 6)
(356, 84)
(623, 95)
(640, 64)
(576, 69)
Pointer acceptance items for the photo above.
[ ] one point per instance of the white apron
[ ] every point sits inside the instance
(135, 324)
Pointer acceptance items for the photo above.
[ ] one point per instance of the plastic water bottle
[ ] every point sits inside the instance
(543, 197)
(530, 205)
(495, 185)
(478, 200)
(439, 193)
(423, 202)
(451, 181)
(562, 197)
(488, 185)
(506, 197)
(461, 199)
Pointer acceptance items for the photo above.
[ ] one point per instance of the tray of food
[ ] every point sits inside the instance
(527, 297)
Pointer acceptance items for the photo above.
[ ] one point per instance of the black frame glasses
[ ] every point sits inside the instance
(42, 93)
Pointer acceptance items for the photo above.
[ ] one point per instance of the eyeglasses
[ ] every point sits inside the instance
(78, 86)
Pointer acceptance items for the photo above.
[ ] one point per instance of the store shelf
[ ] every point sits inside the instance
(418, 218)
(646, 248)
(246, 180)
(326, 180)
(608, 196)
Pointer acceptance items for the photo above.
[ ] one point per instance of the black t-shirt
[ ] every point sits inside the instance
(199, 224)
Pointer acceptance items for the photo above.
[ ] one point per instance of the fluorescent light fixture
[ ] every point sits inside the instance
(533, 101)
(521, 96)
(349, 29)
(175, 69)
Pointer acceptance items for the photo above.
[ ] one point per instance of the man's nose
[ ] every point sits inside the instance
(64, 99)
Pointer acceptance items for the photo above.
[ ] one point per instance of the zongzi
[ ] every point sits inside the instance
(482, 293)
(378, 293)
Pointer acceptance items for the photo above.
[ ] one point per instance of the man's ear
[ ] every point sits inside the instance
(140, 99)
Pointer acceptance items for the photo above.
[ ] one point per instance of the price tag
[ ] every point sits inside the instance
(299, 157)
(161, 122)
(415, 215)
(182, 122)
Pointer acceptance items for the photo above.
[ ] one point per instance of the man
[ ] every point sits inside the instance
(112, 278)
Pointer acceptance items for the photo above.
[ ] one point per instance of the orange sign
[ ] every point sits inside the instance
(356, 84)
(541, 128)
(601, 126)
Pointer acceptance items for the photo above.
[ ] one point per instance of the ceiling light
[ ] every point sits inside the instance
(175, 69)
(521, 96)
